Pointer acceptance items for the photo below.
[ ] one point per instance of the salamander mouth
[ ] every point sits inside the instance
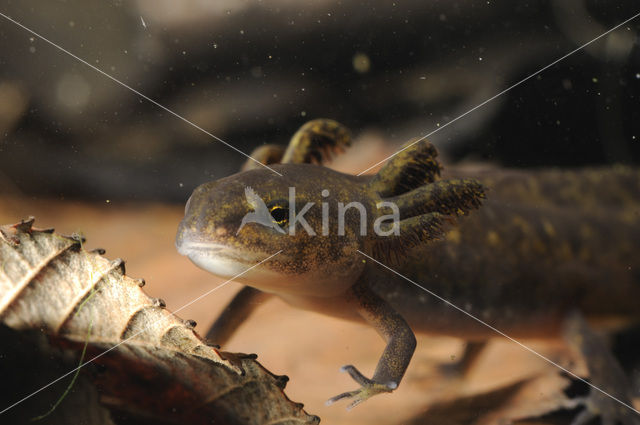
(187, 248)
(219, 259)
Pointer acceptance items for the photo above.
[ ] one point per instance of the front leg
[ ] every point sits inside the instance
(401, 344)
(236, 312)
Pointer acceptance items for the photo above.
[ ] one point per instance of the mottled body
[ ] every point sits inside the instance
(544, 245)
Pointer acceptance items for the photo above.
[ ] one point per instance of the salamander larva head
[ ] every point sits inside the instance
(314, 220)
(232, 224)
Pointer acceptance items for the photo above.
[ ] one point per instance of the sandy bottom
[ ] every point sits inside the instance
(307, 347)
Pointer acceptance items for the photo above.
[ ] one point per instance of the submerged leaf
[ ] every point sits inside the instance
(150, 364)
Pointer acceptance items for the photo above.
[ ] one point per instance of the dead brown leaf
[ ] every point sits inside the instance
(156, 369)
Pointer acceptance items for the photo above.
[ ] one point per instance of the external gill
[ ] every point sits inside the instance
(425, 204)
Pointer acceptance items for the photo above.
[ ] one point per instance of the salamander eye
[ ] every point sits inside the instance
(279, 214)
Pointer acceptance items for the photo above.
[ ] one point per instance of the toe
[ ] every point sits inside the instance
(356, 375)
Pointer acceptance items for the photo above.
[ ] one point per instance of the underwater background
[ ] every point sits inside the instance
(252, 72)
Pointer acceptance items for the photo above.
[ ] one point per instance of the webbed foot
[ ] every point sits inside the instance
(368, 388)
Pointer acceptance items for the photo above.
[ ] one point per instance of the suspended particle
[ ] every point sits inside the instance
(361, 63)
